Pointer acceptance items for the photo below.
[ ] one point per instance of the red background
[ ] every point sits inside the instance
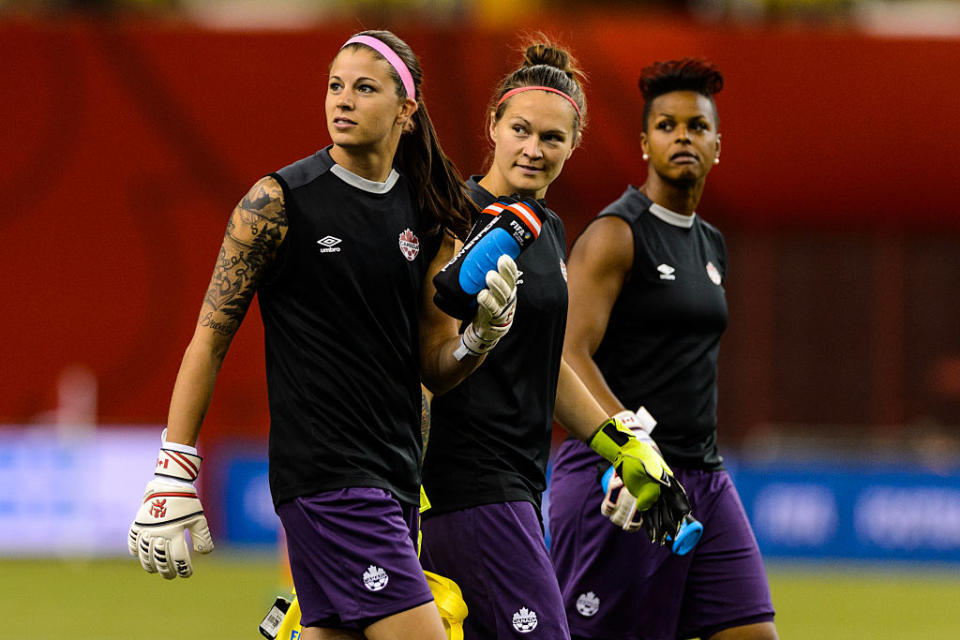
(126, 145)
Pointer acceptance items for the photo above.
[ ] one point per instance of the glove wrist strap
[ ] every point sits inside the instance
(472, 344)
(639, 424)
(177, 465)
(608, 440)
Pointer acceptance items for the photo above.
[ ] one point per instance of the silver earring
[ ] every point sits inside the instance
(716, 161)
(645, 157)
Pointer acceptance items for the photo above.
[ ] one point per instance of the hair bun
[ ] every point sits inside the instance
(549, 55)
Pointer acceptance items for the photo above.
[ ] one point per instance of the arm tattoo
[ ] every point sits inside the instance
(424, 423)
(254, 233)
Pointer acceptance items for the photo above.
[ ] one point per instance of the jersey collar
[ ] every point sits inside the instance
(671, 217)
(362, 183)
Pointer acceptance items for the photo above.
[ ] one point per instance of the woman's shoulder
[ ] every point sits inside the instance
(709, 230)
(305, 170)
(630, 206)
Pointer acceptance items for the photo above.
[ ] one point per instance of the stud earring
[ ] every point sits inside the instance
(645, 157)
(716, 161)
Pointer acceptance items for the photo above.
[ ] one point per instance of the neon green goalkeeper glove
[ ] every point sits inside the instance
(663, 520)
(638, 465)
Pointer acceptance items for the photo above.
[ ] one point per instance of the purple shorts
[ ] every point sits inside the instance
(619, 585)
(497, 556)
(353, 557)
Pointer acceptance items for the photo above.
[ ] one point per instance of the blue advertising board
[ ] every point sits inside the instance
(798, 511)
(865, 513)
(836, 512)
(249, 516)
(72, 491)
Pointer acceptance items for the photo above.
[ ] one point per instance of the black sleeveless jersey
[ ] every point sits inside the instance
(662, 341)
(340, 310)
(490, 435)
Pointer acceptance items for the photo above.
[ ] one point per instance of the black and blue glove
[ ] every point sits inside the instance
(505, 227)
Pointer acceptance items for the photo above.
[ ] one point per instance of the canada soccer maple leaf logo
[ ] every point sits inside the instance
(375, 578)
(588, 604)
(409, 245)
(525, 620)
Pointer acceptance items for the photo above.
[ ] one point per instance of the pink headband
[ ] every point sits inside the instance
(391, 56)
(514, 92)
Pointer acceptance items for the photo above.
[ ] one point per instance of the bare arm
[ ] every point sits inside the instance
(576, 408)
(256, 228)
(440, 333)
(599, 264)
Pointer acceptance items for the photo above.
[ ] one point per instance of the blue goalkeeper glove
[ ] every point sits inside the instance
(505, 227)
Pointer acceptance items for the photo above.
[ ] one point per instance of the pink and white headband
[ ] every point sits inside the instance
(514, 92)
(390, 56)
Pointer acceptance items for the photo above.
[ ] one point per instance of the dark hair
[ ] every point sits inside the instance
(686, 74)
(545, 64)
(439, 189)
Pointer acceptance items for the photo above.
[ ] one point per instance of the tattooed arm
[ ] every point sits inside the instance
(256, 228)
(425, 397)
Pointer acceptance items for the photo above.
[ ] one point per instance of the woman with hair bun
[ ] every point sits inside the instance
(647, 310)
(485, 467)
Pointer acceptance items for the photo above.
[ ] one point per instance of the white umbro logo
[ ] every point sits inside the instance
(666, 272)
(329, 244)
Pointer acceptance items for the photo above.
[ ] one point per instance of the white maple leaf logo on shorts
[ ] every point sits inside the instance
(525, 620)
(588, 604)
(375, 578)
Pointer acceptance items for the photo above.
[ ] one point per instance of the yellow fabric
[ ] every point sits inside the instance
(424, 501)
(290, 628)
(424, 505)
(449, 599)
(446, 593)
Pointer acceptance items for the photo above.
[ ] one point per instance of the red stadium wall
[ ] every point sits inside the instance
(126, 145)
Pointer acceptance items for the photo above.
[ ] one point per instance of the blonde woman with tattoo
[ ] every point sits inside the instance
(340, 248)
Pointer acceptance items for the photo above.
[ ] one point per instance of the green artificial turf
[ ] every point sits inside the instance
(113, 599)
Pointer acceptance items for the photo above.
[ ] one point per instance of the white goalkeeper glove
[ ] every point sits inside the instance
(495, 308)
(170, 506)
(619, 504)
